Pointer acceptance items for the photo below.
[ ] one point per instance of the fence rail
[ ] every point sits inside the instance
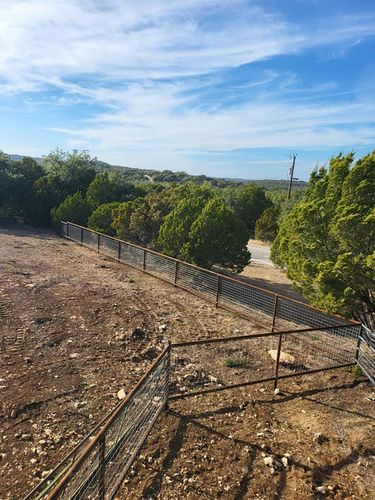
(224, 291)
(259, 358)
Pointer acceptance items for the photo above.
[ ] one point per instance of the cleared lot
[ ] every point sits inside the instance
(76, 328)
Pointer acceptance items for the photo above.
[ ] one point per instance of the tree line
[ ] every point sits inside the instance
(200, 222)
(323, 238)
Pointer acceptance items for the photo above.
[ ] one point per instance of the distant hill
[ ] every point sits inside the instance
(144, 175)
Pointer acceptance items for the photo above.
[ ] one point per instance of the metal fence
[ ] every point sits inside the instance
(244, 299)
(366, 352)
(224, 291)
(217, 364)
(98, 465)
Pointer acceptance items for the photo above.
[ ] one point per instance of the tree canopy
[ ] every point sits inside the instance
(326, 243)
(169, 211)
(217, 236)
(73, 209)
(249, 201)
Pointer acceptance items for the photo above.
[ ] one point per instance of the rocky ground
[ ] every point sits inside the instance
(76, 328)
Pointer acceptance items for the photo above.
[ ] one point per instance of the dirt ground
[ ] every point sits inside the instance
(68, 317)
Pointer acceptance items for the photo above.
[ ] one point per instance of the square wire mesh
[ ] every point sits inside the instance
(291, 314)
(160, 265)
(74, 233)
(197, 279)
(131, 255)
(366, 353)
(90, 239)
(105, 464)
(317, 349)
(246, 299)
(109, 246)
(215, 365)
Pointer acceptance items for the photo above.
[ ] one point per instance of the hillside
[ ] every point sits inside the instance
(152, 175)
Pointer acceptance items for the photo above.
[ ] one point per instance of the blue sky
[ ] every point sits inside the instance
(222, 88)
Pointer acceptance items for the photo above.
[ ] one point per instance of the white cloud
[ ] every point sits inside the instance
(147, 62)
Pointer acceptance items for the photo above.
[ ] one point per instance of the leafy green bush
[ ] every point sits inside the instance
(356, 371)
(266, 226)
(326, 243)
(73, 209)
(217, 236)
(102, 218)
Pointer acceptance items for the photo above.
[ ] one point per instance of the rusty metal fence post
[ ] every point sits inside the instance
(81, 236)
(278, 360)
(218, 288)
(358, 344)
(67, 229)
(119, 251)
(98, 249)
(176, 271)
(274, 315)
(169, 364)
(144, 260)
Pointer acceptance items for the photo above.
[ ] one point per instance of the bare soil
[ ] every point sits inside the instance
(67, 346)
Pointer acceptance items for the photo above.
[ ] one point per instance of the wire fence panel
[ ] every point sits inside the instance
(197, 279)
(246, 297)
(160, 265)
(83, 483)
(90, 239)
(210, 366)
(318, 349)
(132, 255)
(74, 232)
(109, 246)
(290, 313)
(366, 353)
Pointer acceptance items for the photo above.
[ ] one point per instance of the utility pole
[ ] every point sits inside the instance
(291, 173)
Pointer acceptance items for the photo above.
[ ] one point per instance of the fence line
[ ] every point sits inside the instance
(307, 351)
(365, 354)
(224, 291)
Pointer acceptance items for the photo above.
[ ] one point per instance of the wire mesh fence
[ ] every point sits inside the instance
(211, 365)
(266, 307)
(97, 466)
(227, 292)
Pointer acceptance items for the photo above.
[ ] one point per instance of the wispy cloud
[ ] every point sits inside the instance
(161, 71)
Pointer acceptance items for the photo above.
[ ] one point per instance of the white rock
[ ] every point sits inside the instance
(74, 355)
(277, 391)
(284, 357)
(121, 394)
(320, 489)
(162, 328)
(268, 461)
(284, 461)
